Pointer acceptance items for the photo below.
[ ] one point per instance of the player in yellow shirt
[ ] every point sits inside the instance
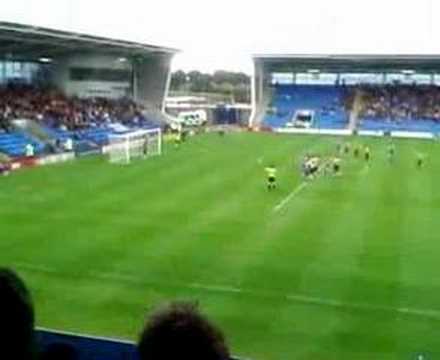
(356, 151)
(271, 173)
(391, 150)
(420, 161)
(367, 154)
(336, 164)
(177, 139)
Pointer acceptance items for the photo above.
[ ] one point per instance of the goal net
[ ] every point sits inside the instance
(123, 148)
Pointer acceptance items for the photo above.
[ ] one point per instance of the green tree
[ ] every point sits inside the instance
(235, 85)
(178, 80)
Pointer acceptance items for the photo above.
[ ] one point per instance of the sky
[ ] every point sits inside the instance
(223, 34)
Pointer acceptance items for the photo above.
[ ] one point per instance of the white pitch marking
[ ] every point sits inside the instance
(216, 288)
(289, 197)
(34, 267)
(297, 298)
(426, 313)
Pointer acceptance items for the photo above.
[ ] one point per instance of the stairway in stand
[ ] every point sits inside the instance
(358, 104)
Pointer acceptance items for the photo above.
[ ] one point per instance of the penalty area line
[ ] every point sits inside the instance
(432, 314)
(289, 197)
(310, 300)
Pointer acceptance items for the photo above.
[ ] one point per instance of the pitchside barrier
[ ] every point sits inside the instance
(346, 132)
(56, 158)
(90, 347)
(23, 162)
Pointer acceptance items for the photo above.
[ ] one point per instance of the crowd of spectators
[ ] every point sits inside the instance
(401, 102)
(393, 102)
(53, 108)
(176, 331)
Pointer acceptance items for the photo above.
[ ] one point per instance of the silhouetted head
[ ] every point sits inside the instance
(16, 318)
(179, 331)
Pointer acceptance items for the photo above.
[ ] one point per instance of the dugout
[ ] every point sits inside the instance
(85, 65)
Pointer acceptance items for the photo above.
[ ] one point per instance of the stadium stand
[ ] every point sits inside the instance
(88, 122)
(378, 93)
(14, 144)
(326, 103)
(76, 86)
(394, 107)
(55, 109)
(400, 108)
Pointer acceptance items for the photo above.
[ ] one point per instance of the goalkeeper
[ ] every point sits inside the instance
(145, 147)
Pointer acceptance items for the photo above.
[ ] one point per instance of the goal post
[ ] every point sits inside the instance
(123, 148)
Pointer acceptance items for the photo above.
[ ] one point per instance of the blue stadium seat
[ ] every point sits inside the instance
(14, 143)
(383, 124)
(325, 101)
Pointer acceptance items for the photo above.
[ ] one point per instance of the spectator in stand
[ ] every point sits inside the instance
(51, 107)
(179, 331)
(68, 144)
(16, 318)
(29, 150)
(398, 102)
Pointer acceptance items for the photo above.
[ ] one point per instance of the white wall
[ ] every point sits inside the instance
(113, 90)
(152, 81)
(90, 88)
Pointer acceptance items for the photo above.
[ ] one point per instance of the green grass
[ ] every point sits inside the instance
(101, 245)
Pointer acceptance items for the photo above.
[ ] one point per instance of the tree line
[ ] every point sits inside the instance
(233, 84)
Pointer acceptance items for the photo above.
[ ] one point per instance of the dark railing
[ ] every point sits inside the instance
(90, 347)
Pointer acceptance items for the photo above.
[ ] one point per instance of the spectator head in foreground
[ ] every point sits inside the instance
(179, 331)
(16, 318)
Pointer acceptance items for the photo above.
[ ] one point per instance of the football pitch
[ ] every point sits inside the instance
(337, 268)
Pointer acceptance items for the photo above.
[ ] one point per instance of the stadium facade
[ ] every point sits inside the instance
(84, 65)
